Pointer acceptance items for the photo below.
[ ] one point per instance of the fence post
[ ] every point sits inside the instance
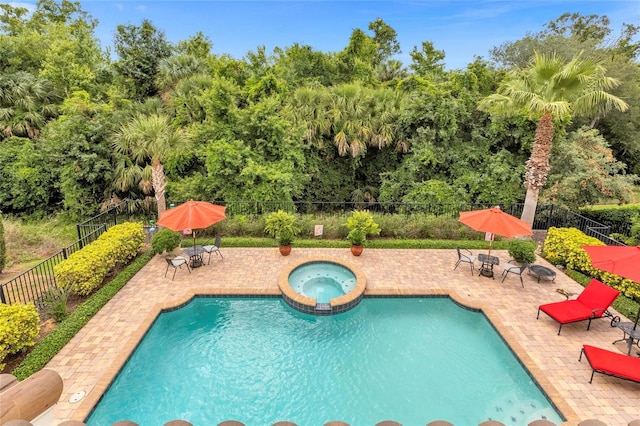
(549, 217)
(2, 298)
(78, 231)
(115, 216)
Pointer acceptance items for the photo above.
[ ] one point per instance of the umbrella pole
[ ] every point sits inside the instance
(490, 243)
(637, 316)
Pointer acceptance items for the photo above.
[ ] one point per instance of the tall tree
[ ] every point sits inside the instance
(551, 89)
(146, 142)
(386, 38)
(586, 172)
(140, 50)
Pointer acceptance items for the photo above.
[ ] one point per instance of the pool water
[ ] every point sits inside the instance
(259, 361)
(322, 281)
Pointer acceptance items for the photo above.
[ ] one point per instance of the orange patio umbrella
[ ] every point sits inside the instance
(623, 261)
(495, 221)
(192, 215)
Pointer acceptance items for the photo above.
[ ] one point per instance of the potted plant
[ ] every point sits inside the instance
(360, 224)
(282, 226)
(522, 251)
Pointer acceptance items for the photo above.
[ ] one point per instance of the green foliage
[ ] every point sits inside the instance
(140, 50)
(85, 270)
(3, 247)
(585, 171)
(27, 181)
(281, 225)
(621, 218)
(564, 246)
(45, 350)
(19, 327)
(78, 147)
(165, 240)
(55, 302)
(361, 224)
(522, 251)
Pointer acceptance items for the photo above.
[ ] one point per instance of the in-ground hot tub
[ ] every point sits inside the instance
(322, 286)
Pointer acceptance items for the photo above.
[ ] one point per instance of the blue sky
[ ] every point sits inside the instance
(462, 28)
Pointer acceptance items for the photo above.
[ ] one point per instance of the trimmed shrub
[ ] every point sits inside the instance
(19, 327)
(86, 269)
(523, 251)
(619, 218)
(165, 240)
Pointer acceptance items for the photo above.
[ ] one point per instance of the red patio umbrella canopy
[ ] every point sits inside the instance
(620, 260)
(192, 215)
(496, 221)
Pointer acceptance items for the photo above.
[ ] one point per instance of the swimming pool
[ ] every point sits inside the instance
(259, 361)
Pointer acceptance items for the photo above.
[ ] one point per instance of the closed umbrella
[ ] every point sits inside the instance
(495, 221)
(623, 261)
(192, 215)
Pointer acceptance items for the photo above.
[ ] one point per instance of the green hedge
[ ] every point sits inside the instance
(86, 269)
(619, 218)
(46, 349)
(413, 227)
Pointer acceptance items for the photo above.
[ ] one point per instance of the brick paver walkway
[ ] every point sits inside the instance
(91, 360)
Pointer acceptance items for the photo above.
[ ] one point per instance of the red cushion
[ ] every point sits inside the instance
(614, 363)
(598, 295)
(567, 311)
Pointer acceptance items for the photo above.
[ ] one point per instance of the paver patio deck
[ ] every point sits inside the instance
(95, 355)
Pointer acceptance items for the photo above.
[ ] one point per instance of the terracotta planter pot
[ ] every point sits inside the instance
(356, 250)
(285, 250)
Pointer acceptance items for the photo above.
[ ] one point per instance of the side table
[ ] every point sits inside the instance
(631, 333)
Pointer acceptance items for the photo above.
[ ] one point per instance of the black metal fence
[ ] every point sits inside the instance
(31, 285)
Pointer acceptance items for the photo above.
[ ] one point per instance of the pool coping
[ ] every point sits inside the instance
(307, 304)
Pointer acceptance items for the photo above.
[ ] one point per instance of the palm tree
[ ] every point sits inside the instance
(26, 104)
(550, 89)
(146, 140)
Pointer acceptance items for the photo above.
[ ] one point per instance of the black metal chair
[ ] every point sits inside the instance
(213, 249)
(175, 263)
(514, 269)
(466, 257)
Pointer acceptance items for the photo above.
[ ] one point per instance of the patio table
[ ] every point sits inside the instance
(195, 255)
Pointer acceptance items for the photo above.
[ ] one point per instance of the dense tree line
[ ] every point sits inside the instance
(80, 130)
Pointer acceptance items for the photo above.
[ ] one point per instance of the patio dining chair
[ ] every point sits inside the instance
(215, 248)
(466, 257)
(510, 268)
(176, 262)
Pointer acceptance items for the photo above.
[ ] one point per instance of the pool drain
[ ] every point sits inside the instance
(77, 396)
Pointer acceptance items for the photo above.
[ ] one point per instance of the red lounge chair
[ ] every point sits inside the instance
(592, 303)
(611, 363)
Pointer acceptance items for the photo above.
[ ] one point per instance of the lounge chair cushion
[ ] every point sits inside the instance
(591, 303)
(613, 363)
